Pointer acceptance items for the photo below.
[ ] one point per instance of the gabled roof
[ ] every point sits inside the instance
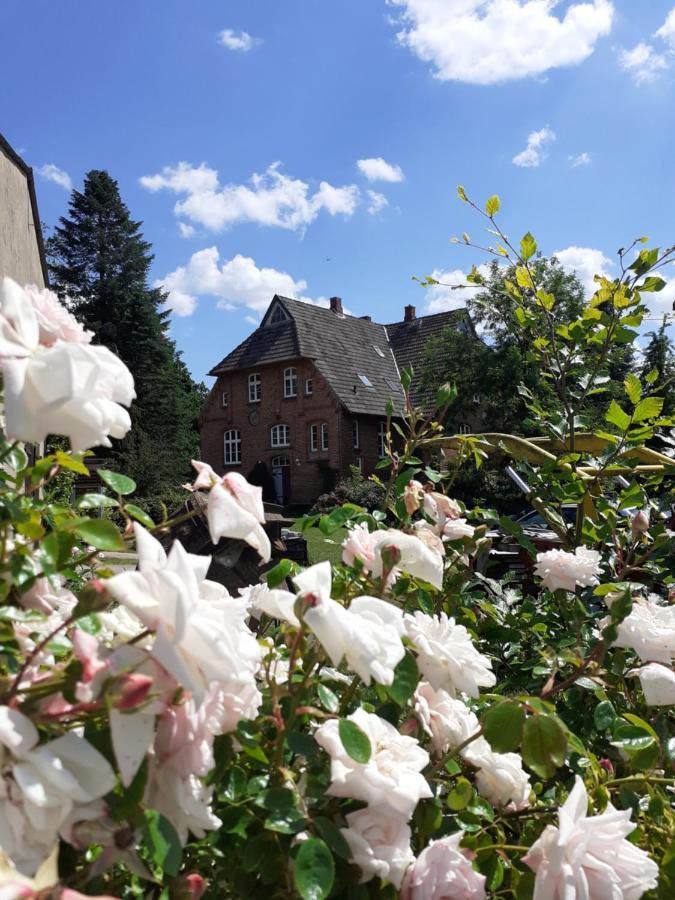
(11, 153)
(343, 348)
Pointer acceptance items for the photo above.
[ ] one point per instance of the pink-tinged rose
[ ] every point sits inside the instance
(658, 684)
(447, 721)
(500, 777)
(131, 691)
(589, 856)
(47, 595)
(427, 534)
(560, 570)
(206, 477)
(188, 887)
(186, 802)
(359, 544)
(441, 508)
(392, 777)
(443, 871)
(379, 844)
(416, 558)
(55, 321)
(19, 329)
(640, 522)
(413, 494)
(446, 655)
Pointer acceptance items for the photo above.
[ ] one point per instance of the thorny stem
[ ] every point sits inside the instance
(34, 653)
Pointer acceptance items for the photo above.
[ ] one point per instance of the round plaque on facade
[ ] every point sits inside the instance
(254, 417)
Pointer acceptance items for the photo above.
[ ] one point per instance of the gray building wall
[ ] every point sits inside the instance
(20, 237)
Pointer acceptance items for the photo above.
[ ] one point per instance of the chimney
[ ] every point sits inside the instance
(409, 313)
(367, 318)
(336, 305)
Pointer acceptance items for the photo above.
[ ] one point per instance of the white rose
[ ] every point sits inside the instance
(379, 843)
(560, 570)
(446, 655)
(649, 630)
(500, 778)
(447, 721)
(391, 777)
(456, 529)
(186, 802)
(42, 787)
(443, 871)
(416, 558)
(658, 684)
(589, 856)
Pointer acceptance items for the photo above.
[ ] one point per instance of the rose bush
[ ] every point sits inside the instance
(403, 724)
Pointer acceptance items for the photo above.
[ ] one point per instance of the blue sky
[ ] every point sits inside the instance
(563, 109)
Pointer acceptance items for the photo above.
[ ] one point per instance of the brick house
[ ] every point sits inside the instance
(304, 397)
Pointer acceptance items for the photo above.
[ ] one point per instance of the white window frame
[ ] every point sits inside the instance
(359, 463)
(290, 382)
(280, 435)
(224, 400)
(309, 387)
(232, 447)
(254, 387)
(313, 438)
(324, 435)
(355, 434)
(381, 438)
(463, 428)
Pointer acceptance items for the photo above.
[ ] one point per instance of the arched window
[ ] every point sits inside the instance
(280, 435)
(232, 447)
(290, 382)
(254, 387)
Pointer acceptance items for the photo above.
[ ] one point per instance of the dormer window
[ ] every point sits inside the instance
(278, 315)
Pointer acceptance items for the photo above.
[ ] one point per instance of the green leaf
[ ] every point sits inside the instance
(163, 842)
(492, 205)
(631, 738)
(460, 796)
(139, 514)
(332, 835)
(616, 416)
(314, 870)
(279, 573)
(355, 742)
(503, 726)
(528, 246)
(544, 745)
(461, 193)
(604, 715)
(649, 408)
(328, 699)
(96, 501)
(100, 533)
(652, 283)
(71, 461)
(406, 677)
(632, 387)
(524, 278)
(121, 484)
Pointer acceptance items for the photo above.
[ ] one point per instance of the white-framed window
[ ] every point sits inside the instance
(378, 351)
(232, 447)
(254, 387)
(476, 399)
(313, 438)
(309, 387)
(280, 435)
(365, 381)
(381, 438)
(224, 399)
(290, 382)
(355, 434)
(358, 462)
(464, 429)
(324, 436)
(280, 462)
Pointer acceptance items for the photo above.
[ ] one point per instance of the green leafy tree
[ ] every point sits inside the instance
(659, 357)
(99, 258)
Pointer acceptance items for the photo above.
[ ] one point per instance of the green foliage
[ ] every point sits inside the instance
(355, 489)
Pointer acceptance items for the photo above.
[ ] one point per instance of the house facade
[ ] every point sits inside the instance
(22, 255)
(304, 397)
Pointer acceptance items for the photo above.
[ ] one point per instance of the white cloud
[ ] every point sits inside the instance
(378, 169)
(643, 62)
(646, 63)
(238, 282)
(272, 199)
(376, 202)
(452, 292)
(237, 40)
(585, 262)
(535, 152)
(186, 231)
(489, 41)
(50, 172)
(583, 159)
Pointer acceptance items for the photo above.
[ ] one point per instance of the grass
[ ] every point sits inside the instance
(321, 546)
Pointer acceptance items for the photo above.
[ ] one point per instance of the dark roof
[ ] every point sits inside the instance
(409, 340)
(9, 151)
(342, 348)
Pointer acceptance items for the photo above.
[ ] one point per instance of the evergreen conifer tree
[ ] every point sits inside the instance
(99, 258)
(659, 356)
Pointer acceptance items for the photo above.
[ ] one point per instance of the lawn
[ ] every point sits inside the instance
(320, 546)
